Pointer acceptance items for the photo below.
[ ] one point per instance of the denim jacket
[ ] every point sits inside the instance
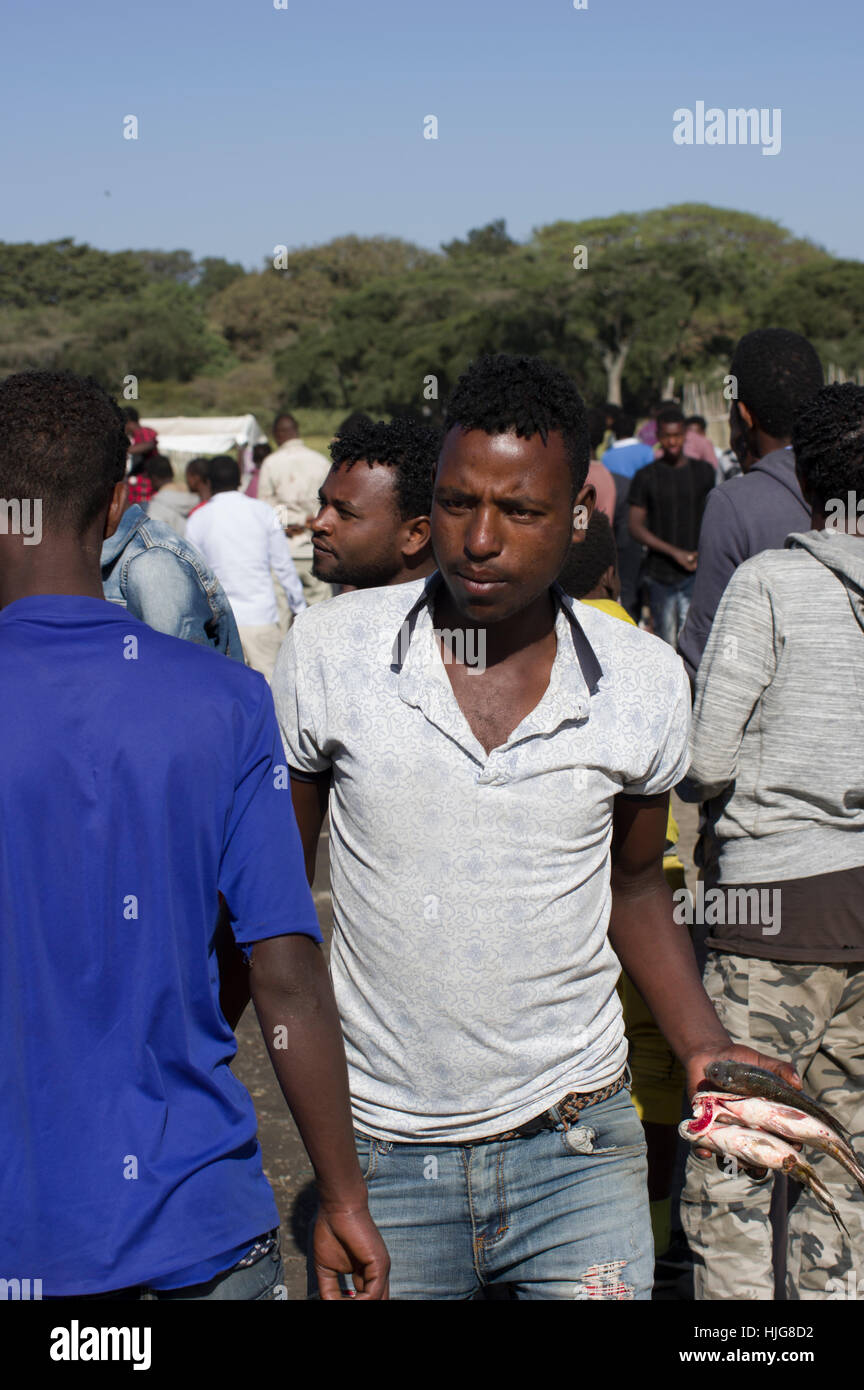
(164, 581)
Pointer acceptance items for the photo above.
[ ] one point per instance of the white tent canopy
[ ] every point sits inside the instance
(188, 434)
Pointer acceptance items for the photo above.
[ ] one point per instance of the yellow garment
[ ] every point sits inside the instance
(608, 605)
(658, 1076)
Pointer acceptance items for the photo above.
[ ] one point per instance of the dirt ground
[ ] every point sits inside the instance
(285, 1160)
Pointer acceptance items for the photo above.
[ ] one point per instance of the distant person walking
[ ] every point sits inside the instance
(697, 445)
(170, 502)
(667, 499)
(259, 453)
(142, 441)
(290, 479)
(241, 539)
(627, 454)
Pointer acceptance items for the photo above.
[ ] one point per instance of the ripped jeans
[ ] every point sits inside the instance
(553, 1215)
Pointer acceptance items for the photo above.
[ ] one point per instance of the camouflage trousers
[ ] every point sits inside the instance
(812, 1016)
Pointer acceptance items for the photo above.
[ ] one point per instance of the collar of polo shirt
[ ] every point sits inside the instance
(423, 683)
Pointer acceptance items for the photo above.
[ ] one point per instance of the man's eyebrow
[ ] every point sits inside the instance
(337, 501)
(512, 499)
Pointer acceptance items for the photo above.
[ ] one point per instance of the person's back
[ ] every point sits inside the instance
(162, 579)
(628, 454)
(774, 373)
(112, 855)
(242, 540)
(777, 753)
(243, 570)
(780, 818)
(132, 873)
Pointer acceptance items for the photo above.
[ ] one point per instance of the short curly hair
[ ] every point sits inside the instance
(503, 392)
(409, 448)
(828, 442)
(775, 371)
(589, 559)
(63, 440)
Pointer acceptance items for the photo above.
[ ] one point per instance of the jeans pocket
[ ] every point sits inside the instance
(614, 1128)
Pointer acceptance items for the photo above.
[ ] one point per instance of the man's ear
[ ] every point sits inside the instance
(611, 583)
(746, 415)
(119, 500)
(583, 506)
(415, 535)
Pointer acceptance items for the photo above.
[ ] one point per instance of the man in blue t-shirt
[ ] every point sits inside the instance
(130, 1159)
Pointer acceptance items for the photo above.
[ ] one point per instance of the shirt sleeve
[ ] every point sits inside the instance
(738, 664)
(262, 872)
(720, 553)
(668, 736)
(300, 713)
(638, 496)
(284, 568)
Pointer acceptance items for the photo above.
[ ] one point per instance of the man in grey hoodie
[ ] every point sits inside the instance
(777, 752)
(773, 373)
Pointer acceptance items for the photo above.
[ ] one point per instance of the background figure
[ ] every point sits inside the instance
(196, 480)
(598, 474)
(667, 499)
(242, 540)
(142, 441)
(590, 574)
(625, 456)
(781, 675)
(170, 503)
(774, 372)
(697, 445)
(289, 479)
(259, 453)
(373, 524)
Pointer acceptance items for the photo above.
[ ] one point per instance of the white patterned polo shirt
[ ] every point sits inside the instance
(471, 891)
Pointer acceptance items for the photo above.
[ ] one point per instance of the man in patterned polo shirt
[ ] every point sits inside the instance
(497, 761)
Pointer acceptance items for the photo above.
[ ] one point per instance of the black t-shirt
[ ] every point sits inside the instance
(674, 499)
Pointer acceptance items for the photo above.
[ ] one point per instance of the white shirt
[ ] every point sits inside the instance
(290, 479)
(471, 897)
(242, 541)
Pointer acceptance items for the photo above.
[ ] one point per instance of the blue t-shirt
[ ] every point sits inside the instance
(141, 775)
(627, 459)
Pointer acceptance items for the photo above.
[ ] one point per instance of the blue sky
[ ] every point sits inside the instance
(260, 127)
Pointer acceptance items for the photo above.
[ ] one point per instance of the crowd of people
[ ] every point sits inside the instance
(488, 653)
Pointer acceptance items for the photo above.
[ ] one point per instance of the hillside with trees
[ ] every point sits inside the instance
(624, 303)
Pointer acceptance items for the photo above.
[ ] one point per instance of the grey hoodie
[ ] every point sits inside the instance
(172, 506)
(778, 727)
(752, 512)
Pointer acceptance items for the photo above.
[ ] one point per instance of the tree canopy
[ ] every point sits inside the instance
(379, 323)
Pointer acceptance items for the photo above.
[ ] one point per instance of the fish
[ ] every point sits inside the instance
(744, 1079)
(787, 1121)
(755, 1149)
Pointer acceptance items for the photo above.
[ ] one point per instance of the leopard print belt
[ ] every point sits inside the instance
(566, 1112)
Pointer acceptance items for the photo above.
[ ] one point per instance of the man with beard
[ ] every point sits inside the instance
(373, 525)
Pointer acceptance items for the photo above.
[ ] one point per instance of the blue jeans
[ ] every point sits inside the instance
(553, 1215)
(669, 604)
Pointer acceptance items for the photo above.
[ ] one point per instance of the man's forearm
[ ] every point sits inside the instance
(645, 537)
(658, 955)
(297, 1011)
